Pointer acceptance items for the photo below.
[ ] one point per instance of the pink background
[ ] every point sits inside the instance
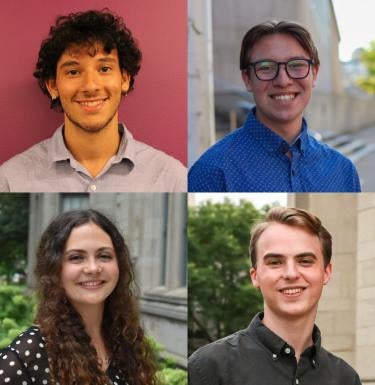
(155, 111)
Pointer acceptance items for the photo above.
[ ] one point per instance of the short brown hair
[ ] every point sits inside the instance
(295, 218)
(272, 27)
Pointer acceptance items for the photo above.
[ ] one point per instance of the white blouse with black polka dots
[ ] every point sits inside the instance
(25, 361)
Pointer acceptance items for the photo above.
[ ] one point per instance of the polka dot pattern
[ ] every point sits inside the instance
(254, 159)
(25, 362)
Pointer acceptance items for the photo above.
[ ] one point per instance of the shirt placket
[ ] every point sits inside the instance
(294, 172)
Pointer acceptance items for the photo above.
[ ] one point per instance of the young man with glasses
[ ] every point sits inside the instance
(290, 254)
(274, 151)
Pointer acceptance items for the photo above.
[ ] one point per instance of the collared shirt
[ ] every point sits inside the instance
(49, 167)
(254, 158)
(257, 356)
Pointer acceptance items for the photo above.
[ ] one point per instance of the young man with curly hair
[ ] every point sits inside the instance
(290, 254)
(274, 150)
(85, 66)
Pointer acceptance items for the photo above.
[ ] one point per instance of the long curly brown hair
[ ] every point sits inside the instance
(72, 357)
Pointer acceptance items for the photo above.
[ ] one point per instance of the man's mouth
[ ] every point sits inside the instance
(91, 105)
(91, 284)
(292, 291)
(284, 97)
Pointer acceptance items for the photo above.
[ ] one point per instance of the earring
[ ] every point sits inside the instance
(54, 97)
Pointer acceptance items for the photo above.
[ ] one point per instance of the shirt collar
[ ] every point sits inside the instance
(278, 347)
(59, 152)
(271, 141)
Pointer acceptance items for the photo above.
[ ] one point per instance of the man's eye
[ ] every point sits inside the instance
(266, 66)
(73, 72)
(306, 261)
(274, 262)
(105, 69)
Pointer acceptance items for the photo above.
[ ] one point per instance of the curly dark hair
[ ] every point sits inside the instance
(87, 28)
(72, 357)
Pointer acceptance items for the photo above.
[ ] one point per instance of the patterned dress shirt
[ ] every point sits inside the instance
(253, 158)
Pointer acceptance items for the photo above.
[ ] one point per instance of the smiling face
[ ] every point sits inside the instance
(89, 83)
(290, 272)
(280, 102)
(90, 269)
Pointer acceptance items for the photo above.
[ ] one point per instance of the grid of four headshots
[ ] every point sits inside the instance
(186, 193)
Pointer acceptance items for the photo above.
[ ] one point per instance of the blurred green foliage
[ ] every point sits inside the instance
(367, 82)
(222, 298)
(17, 309)
(14, 222)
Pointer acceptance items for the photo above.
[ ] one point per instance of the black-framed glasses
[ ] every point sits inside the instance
(269, 69)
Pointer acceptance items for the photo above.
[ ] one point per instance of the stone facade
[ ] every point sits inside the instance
(346, 312)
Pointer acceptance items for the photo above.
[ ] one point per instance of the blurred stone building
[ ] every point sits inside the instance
(154, 227)
(346, 314)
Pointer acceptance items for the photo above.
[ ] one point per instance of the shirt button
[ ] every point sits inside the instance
(274, 356)
(287, 350)
(93, 187)
(297, 381)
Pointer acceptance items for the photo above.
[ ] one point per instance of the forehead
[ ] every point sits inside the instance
(87, 234)
(278, 46)
(86, 51)
(287, 240)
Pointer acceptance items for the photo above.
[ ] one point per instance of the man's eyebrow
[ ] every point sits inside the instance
(69, 63)
(300, 255)
(107, 59)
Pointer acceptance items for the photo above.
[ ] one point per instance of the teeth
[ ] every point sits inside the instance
(285, 97)
(94, 103)
(292, 291)
(91, 283)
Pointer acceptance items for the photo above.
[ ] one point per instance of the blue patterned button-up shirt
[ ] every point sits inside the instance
(254, 158)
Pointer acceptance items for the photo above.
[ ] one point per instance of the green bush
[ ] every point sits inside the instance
(16, 312)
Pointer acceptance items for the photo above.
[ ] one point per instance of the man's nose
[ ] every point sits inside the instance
(90, 81)
(282, 78)
(291, 270)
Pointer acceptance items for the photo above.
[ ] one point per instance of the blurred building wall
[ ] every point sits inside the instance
(346, 314)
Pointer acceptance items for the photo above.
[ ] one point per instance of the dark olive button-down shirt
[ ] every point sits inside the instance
(257, 356)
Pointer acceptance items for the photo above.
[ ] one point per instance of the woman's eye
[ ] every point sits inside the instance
(75, 258)
(105, 256)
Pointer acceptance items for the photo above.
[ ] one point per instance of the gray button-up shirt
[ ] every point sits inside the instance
(49, 167)
(257, 356)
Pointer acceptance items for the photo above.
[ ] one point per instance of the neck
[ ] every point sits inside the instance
(92, 317)
(289, 130)
(296, 331)
(92, 149)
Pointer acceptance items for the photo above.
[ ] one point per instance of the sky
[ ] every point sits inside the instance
(356, 21)
(258, 199)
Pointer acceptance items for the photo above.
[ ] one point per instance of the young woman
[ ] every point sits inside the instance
(87, 324)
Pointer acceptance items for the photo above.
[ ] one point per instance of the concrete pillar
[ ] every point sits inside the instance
(366, 288)
(201, 121)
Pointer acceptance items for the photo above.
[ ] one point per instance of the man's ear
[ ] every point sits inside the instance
(315, 70)
(52, 88)
(327, 273)
(246, 80)
(254, 277)
(125, 83)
